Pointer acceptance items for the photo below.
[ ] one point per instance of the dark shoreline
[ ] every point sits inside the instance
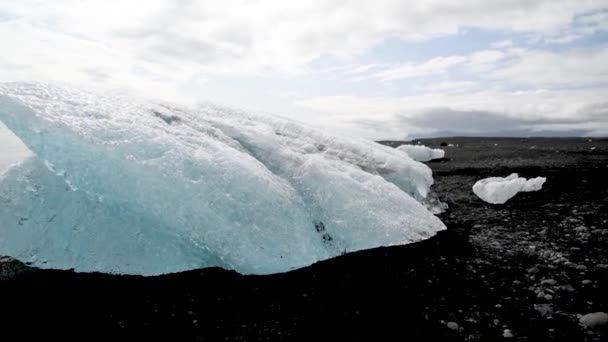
(484, 273)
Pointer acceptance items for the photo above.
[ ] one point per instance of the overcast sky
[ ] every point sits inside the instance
(379, 69)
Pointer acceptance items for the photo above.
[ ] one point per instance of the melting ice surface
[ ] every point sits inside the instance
(12, 149)
(498, 190)
(421, 153)
(123, 186)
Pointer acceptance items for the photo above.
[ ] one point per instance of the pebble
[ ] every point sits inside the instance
(568, 288)
(549, 282)
(533, 270)
(548, 297)
(581, 267)
(498, 306)
(594, 320)
(586, 282)
(544, 309)
(452, 325)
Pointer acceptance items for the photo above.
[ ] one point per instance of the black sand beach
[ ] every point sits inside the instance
(528, 266)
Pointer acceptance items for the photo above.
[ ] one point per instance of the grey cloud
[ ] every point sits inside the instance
(474, 121)
(160, 37)
(199, 51)
(449, 119)
(595, 112)
(447, 122)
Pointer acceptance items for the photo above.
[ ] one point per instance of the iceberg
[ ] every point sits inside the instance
(119, 185)
(12, 150)
(421, 153)
(498, 190)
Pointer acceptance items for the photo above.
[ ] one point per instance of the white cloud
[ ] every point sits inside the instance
(582, 26)
(484, 60)
(363, 68)
(515, 67)
(502, 44)
(550, 69)
(434, 66)
(563, 39)
(478, 61)
(450, 87)
(246, 36)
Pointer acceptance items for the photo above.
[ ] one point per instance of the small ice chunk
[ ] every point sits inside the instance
(507, 333)
(594, 320)
(498, 190)
(421, 153)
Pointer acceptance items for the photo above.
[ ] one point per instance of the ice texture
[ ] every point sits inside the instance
(498, 190)
(127, 186)
(12, 149)
(421, 153)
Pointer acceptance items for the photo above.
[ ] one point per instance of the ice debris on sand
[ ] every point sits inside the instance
(127, 186)
(498, 190)
(421, 153)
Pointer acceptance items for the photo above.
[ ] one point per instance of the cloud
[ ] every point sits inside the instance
(444, 122)
(577, 67)
(363, 68)
(514, 67)
(582, 26)
(469, 112)
(434, 66)
(179, 49)
(474, 121)
(450, 87)
(502, 44)
(479, 61)
(239, 36)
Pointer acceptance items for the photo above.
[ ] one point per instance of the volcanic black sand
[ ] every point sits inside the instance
(529, 266)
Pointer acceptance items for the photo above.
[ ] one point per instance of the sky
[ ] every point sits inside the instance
(379, 69)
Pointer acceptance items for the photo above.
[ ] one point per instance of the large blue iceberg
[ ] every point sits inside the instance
(126, 186)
